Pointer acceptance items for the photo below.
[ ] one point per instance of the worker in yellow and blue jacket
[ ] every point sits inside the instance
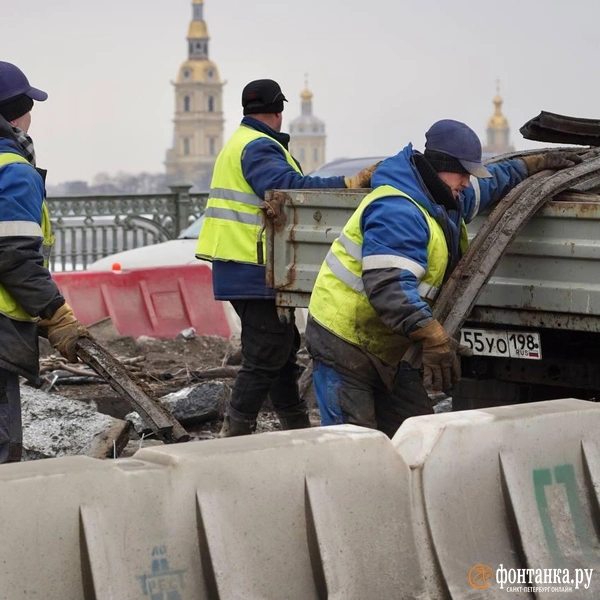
(373, 295)
(30, 302)
(256, 159)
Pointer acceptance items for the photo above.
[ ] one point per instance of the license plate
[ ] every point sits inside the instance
(508, 344)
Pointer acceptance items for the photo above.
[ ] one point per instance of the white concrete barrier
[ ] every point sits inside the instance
(335, 512)
(514, 486)
(289, 515)
(319, 513)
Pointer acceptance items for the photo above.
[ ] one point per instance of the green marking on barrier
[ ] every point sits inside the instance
(563, 475)
(542, 478)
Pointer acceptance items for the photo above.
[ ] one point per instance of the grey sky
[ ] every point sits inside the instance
(381, 70)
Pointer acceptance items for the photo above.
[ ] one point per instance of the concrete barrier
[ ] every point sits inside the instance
(284, 515)
(335, 512)
(515, 486)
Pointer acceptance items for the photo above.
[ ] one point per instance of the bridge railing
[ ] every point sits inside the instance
(88, 228)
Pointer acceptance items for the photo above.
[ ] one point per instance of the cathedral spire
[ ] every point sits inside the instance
(498, 120)
(198, 33)
(498, 129)
(306, 97)
(307, 133)
(198, 122)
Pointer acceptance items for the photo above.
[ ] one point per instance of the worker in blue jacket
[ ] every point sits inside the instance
(374, 292)
(30, 302)
(256, 159)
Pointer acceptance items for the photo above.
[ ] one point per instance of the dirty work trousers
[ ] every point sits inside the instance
(11, 433)
(269, 366)
(345, 399)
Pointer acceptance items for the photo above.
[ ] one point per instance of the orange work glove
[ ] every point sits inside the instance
(441, 362)
(63, 330)
(362, 179)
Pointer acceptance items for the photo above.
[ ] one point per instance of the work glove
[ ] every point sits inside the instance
(441, 362)
(550, 160)
(63, 330)
(362, 179)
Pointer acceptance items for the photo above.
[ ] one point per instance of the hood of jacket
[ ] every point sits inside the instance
(400, 172)
(7, 135)
(281, 137)
(7, 145)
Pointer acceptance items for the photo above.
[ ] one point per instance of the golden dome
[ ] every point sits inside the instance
(306, 95)
(498, 120)
(197, 1)
(198, 71)
(197, 30)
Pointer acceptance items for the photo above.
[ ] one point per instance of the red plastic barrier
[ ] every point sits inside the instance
(157, 302)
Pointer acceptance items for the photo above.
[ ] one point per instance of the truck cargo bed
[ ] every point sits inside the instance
(548, 277)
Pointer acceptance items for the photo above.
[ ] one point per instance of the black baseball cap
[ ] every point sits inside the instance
(459, 141)
(262, 96)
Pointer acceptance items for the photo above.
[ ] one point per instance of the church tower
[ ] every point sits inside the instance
(307, 135)
(198, 122)
(498, 131)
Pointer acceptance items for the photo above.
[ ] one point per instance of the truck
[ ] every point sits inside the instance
(535, 326)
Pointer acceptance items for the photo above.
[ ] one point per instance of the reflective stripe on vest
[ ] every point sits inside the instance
(20, 228)
(229, 214)
(243, 197)
(339, 302)
(391, 261)
(233, 219)
(8, 305)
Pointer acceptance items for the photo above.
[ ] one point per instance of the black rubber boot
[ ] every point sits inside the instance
(295, 422)
(232, 428)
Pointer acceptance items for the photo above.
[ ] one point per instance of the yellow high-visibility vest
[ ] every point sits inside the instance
(233, 220)
(339, 302)
(9, 307)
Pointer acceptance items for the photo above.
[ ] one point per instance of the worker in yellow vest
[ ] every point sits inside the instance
(30, 302)
(256, 159)
(374, 291)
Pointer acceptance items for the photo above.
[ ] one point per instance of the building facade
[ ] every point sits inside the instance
(498, 131)
(198, 122)
(307, 135)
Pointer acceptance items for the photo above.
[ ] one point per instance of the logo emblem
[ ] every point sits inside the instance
(480, 576)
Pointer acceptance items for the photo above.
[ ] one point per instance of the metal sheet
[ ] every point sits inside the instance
(552, 265)
(299, 238)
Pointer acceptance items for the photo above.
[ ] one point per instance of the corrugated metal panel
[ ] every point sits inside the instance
(299, 238)
(553, 264)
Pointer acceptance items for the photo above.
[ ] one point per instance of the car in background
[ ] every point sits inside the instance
(345, 166)
(164, 254)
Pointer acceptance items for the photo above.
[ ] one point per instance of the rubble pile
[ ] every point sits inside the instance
(57, 426)
(76, 412)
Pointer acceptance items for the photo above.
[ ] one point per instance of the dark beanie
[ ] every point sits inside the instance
(16, 107)
(443, 162)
